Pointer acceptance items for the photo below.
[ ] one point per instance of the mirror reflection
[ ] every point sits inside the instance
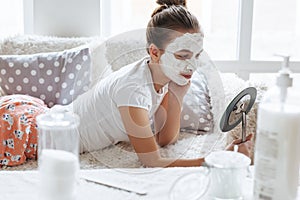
(238, 109)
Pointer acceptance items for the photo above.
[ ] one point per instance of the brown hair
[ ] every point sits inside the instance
(170, 16)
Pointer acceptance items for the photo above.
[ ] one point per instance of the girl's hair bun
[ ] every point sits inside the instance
(170, 16)
(171, 2)
(164, 4)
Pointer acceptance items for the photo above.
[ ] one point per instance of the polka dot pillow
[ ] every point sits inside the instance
(56, 77)
(196, 115)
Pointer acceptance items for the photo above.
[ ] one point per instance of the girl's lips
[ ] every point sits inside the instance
(187, 73)
(187, 76)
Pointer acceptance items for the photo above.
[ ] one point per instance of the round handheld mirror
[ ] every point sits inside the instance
(237, 111)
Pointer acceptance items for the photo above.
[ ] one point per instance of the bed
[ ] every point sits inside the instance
(107, 55)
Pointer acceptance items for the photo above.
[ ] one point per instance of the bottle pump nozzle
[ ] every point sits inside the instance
(283, 79)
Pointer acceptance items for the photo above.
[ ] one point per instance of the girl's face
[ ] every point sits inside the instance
(180, 58)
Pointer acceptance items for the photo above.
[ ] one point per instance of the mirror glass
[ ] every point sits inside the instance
(240, 107)
(241, 104)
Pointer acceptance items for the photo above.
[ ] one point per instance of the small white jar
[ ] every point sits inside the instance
(58, 160)
(228, 174)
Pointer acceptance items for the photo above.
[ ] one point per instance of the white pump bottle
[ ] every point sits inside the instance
(277, 148)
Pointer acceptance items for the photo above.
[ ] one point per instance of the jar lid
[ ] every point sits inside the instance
(227, 159)
(58, 119)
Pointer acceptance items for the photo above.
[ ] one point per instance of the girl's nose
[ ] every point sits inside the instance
(192, 64)
(188, 69)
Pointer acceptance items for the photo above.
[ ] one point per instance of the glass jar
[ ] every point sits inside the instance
(58, 159)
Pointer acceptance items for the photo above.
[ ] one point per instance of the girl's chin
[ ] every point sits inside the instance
(182, 81)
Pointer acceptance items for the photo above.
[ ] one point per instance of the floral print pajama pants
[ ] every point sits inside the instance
(18, 129)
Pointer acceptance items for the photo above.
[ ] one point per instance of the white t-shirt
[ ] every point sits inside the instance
(100, 120)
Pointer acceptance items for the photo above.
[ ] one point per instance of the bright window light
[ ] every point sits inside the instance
(217, 17)
(276, 29)
(219, 20)
(11, 17)
(126, 15)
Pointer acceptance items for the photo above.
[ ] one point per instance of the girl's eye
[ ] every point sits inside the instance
(181, 57)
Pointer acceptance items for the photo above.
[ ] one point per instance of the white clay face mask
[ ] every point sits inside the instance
(173, 67)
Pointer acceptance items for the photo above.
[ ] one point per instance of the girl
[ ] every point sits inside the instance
(141, 102)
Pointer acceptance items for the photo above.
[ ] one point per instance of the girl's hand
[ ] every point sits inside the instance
(244, 148)
(177, 90)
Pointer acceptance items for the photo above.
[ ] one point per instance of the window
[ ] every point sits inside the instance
(276, 29)
(240, 35)
(218, 19)
(11, 17)
(127, 15)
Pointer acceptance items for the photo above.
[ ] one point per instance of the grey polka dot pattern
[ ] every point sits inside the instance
(196, 115)
(56, 77)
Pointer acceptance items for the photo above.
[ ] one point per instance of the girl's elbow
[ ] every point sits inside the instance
(151, 159)
(150, 162)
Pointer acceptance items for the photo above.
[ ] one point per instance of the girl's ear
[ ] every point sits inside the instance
(155, 53)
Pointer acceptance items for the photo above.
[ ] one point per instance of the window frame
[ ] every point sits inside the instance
(244, 66)
(28, 8)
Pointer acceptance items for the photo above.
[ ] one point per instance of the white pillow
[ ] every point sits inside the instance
(31, 44)
(125, 48)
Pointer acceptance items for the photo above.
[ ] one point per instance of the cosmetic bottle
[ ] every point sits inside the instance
(277, 147)
(58, 158)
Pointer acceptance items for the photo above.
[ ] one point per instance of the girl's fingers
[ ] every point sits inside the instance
(239, 141)
(249, 136)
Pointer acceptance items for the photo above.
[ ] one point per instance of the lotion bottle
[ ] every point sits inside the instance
(277, 147)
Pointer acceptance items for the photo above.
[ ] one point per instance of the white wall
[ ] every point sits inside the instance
(68, 18)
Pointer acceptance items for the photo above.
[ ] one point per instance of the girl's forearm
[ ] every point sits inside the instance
(173, 162)
(169, 132)
(187, 162)
(154, 159)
